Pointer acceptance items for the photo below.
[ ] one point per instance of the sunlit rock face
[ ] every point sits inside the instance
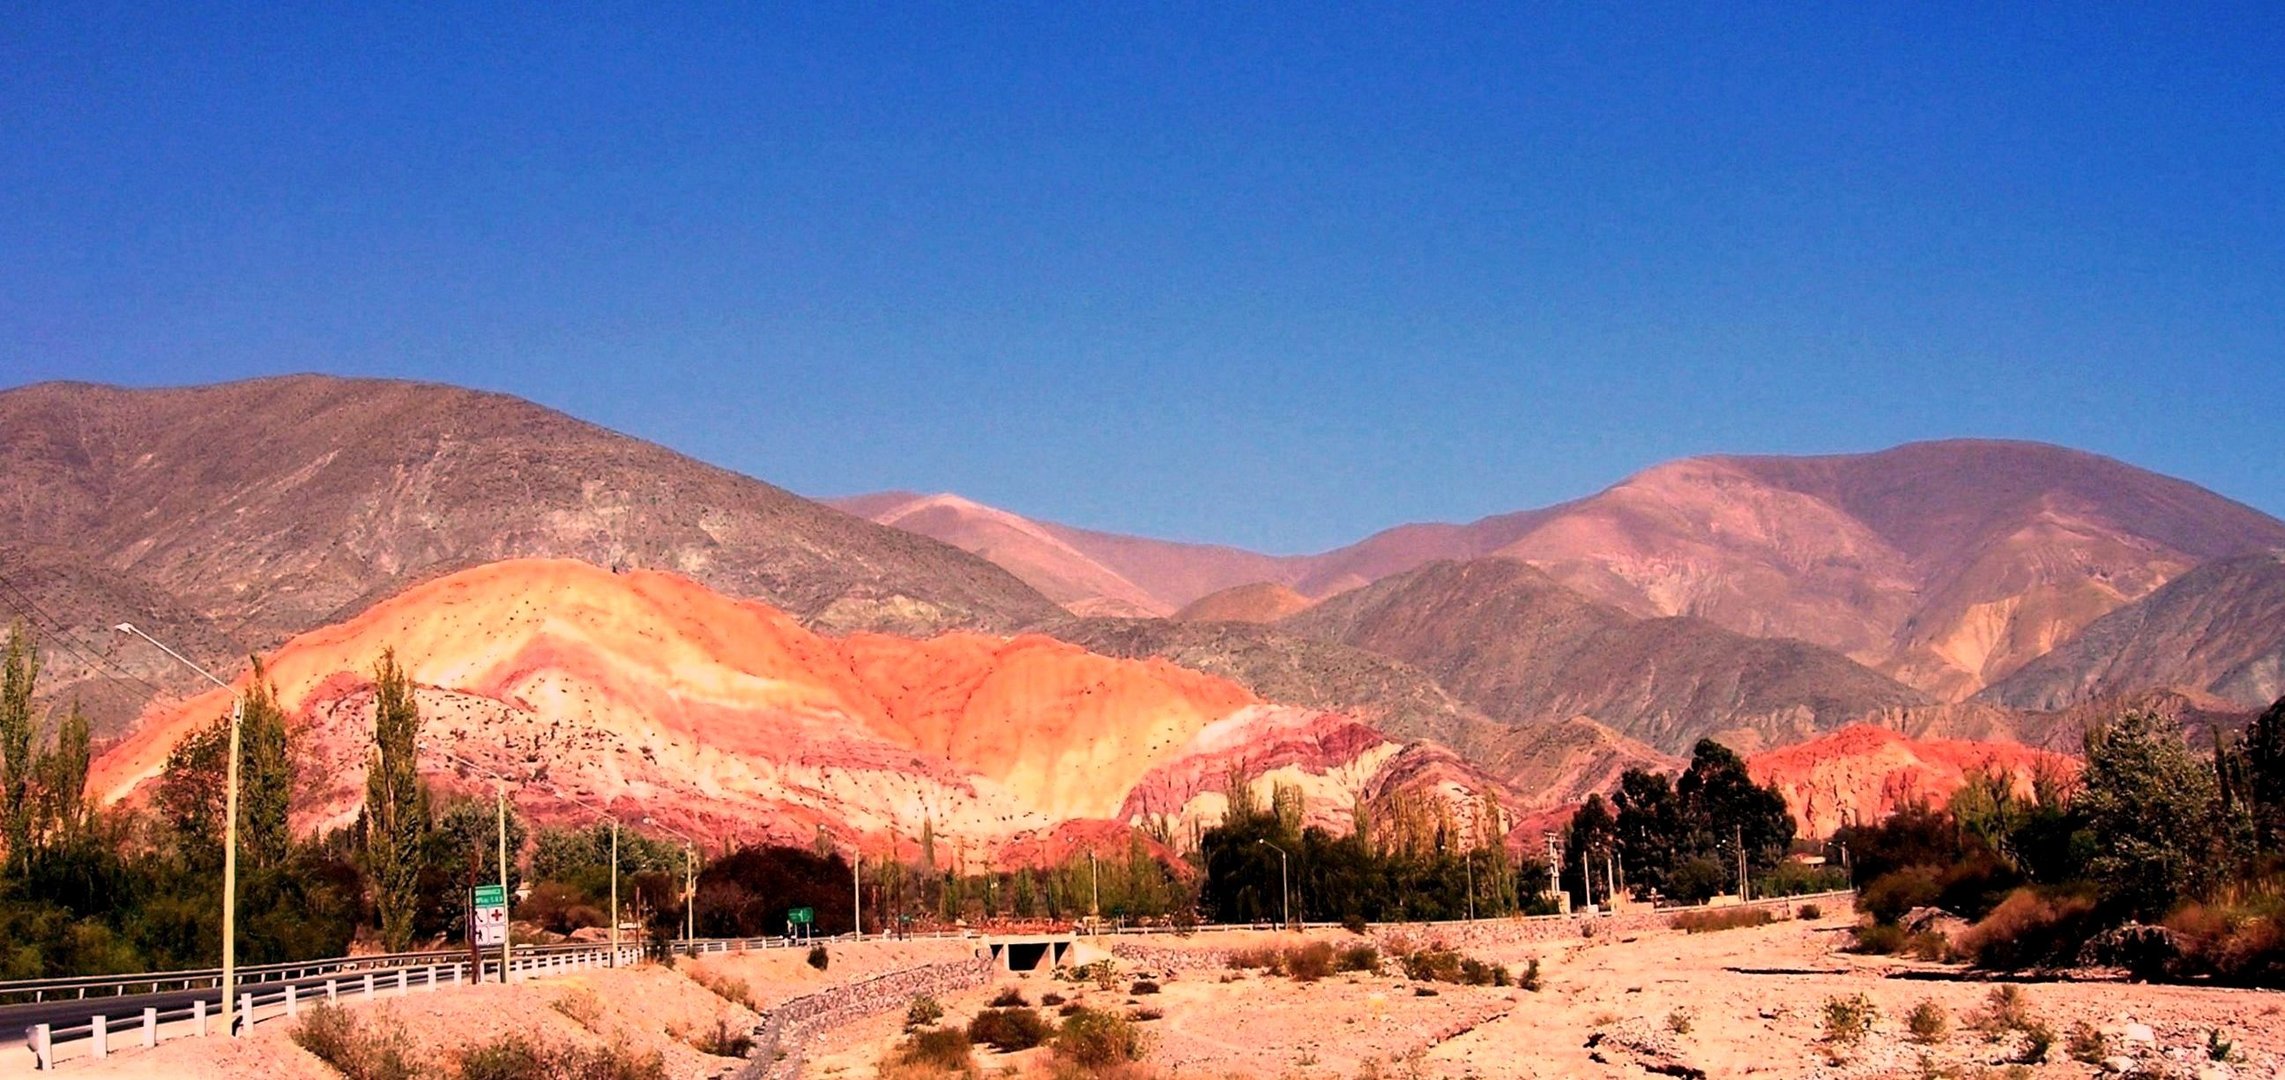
(647, 694)
(1861, 774)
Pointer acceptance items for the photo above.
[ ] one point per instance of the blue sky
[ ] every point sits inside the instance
(1261, 274)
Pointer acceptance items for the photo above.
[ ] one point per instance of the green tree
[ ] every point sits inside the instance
(1593, 836)
(18, 672)
(2264, 753)
(2149, 808)
(265, 777)
(395, 820)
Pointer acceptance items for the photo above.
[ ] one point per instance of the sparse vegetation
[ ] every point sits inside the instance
(1010, 997)
(1849, 1019)
(1143, 986)
(1712, 919)
(1008, 1029)
(935, 1051)
(1094, 1039)
(1530, 978)
(923, 1011)
(1927, 1022)
(1363, 958)
(2086, 1043)
(724, 1040)
(1678, 1021)
(1809, 913)
(378, 1050)
(727, 988)
(818, 958)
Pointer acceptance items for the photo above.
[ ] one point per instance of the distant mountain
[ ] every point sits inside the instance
(1510, 640)
(1946, 565)
(1088, 572)
(1860, 775)
(266, 508)
(2216, 633)
(1260, 602)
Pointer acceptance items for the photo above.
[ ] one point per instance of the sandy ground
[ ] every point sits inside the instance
(1730, 1003)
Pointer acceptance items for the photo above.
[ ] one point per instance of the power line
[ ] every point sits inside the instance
(62, 634)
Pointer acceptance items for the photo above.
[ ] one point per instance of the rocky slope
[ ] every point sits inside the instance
(1260, 602)
(271, 507)
(1512, 641)
(2216, 632)
(647, 693)
(1946, 565)
(1861, 774)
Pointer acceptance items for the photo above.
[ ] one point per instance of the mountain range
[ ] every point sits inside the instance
(1966, 590)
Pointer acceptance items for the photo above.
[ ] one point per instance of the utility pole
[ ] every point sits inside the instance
(1094, 895)
(1284, 883)
(615, 891)
(856, 894)
(1554, 866)
(501, 805)
(229, 984)
(1586, 880)
(1742, 897)
(1610, 878)
(1471, 886)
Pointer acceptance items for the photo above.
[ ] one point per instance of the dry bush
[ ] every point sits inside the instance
(725, 987)
(724, 1040)
(1310, 962)
(923, 1011)
(1930, 946)
(932, 1052)
(359, 1051)
(1809, 913)
(1927, 1022)
(1010, 997)
(1878, 939)
(2006, 1008)
(2086, 1043)
(1009, 1029)
(1143, 986)
(516, 1057)
(2028, 929)
(1433, 965)
(1849, 1019)
(1363, 958)
(1258, 959)
(1712, 919)
(1050, 998)
(1529, 980)
(1678, 1021)
(1095, 1040)
(583, 1007)
(2239, 944)
(1145, 1013)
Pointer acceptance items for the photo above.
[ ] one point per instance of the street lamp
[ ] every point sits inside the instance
(1284, 884)
(229, 828)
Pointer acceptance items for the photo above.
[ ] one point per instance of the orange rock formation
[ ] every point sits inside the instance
(1860, 774)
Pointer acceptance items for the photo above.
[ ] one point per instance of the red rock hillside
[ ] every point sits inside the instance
(652, 695)
(1860, 774)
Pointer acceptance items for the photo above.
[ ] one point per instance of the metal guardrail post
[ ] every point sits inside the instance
(332, 991)
(150, 1027)
(291, 999)
(198, 1013)
(99, 1029)
(43, 1047)
(403, 987)
(368, 986)
(245, 1018)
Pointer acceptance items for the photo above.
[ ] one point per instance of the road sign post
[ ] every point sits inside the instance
(488, 922)
(802, 917)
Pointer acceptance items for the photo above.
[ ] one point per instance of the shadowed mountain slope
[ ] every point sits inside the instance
(278, 505)
(1510, 640)
(2215, 633)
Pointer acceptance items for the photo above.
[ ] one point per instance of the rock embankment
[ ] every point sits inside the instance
(787, 1030)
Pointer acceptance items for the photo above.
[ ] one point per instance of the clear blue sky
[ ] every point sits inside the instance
(1276, 276)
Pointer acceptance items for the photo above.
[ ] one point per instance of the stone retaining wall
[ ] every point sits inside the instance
(787, 1030)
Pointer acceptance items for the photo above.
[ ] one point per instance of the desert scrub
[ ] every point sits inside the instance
(516, 1057)
(2005, 1009)
(1050, 998)
(818, 957)
(582, 1007)
(1363, 958)
(723, 986)
(1310, 962)
(934, 1051)
(1849, 1019)
(359, 1051)
(1809, 913)
(923, 1011)
(1143, 986)
(726, 1040)
(1736, 918)
(1009, 1029)
(2086, 1043)
(1095, 1040)
(1927, 1022)
(1529, 980)
(1878, 939)
(1678, 1021)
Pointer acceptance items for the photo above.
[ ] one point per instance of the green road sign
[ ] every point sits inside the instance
(491, 896)
(801, 916)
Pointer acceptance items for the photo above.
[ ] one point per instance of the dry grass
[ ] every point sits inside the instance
(1710, 920)
(723, 986)
(379, 1050)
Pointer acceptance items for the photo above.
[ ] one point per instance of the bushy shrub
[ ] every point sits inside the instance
(2240, 945)
(1711, 919)
(515, 1057)
(1927, 1022)
(1310, 962)
(1887, 897)
(2030, 928)
(818, 958)
(1145, 1014)
(1529, 980)
(1143, 986)
(379, 1051)
(2005, 1009)
(2086, 1043)
(923, 1011)
(1878, 939)
(1050, 998)
(511, 1057)
(1355, 924)
(938, 1049)
(1433, 965)
(1809, 913)
(1009, 997)
(1849, 1019)
(725, 987)
(1009, 1029)
(1363, 958)
(1095, 1040)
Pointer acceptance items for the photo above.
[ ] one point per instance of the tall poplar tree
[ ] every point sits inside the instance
(396, 819)
(18, 672)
